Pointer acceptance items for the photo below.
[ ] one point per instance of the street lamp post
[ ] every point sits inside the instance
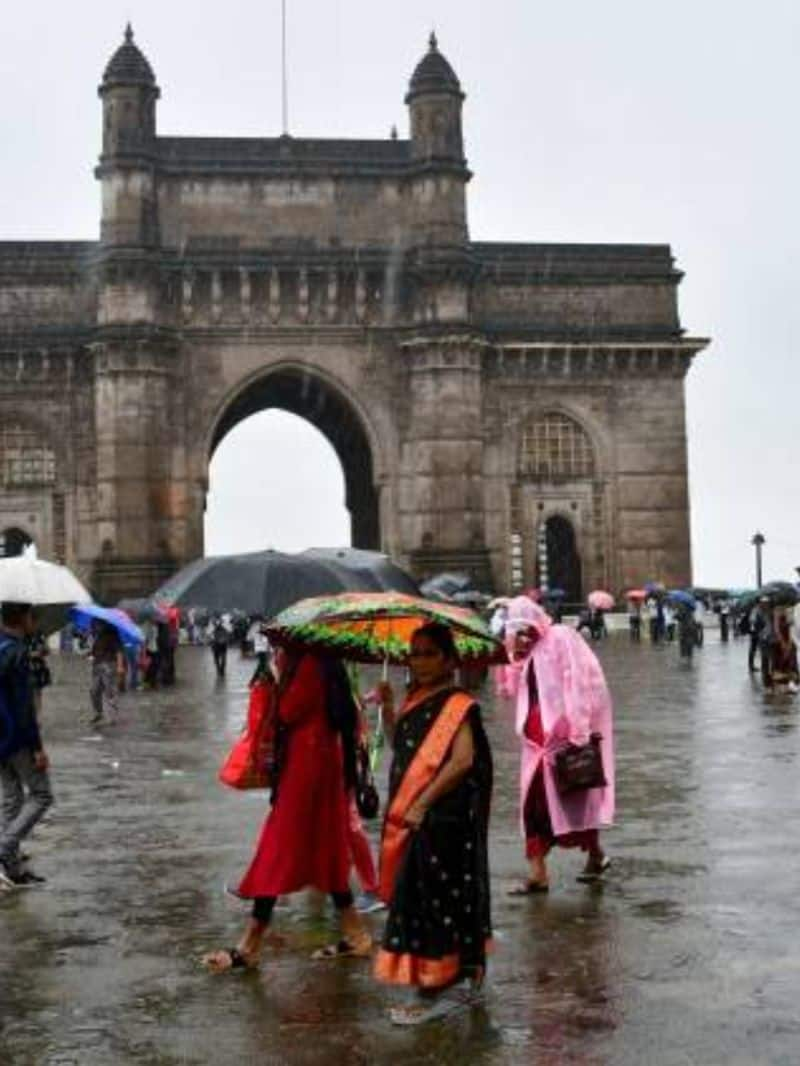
(758, 542)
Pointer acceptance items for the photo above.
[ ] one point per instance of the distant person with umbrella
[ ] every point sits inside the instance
(109, 671)
(24, 764)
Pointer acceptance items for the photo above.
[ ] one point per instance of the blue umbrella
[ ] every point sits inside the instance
(685, 598)
(86, 613)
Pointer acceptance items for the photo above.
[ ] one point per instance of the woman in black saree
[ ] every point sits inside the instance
(434, 855)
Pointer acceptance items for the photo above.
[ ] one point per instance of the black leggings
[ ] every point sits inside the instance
(263, 906)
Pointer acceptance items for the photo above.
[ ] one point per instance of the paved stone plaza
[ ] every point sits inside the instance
(688, 955)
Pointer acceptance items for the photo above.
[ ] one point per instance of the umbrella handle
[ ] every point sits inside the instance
(385, 676)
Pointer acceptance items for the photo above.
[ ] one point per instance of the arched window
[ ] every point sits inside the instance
(25, 459)
(554, 447)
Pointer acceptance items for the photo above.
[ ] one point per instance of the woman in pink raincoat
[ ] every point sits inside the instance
(562, 698)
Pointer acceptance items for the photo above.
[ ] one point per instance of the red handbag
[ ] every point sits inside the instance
(249, 764)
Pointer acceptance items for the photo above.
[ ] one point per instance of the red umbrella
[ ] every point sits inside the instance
(636, 594)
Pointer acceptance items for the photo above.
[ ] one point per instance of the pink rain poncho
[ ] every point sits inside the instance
(574, 703)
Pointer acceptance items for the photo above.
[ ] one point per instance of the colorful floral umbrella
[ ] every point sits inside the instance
(600, 600)
(378, 626)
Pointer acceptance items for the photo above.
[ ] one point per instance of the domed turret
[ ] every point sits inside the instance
(434, 99)
(128, 65)
(129, 93)
(433, 74)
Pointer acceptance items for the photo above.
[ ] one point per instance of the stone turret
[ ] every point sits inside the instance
(129, 94)
(440, 173)
(434, 101)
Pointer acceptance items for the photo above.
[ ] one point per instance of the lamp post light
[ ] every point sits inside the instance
(758, 542)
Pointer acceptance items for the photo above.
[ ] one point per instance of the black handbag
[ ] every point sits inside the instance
(580, 766)
(368, 801)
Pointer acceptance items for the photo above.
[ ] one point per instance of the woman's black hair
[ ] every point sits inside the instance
(342, 713)
(441, 636)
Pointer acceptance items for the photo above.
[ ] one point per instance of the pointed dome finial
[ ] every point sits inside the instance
(433, 42)
(128, 34)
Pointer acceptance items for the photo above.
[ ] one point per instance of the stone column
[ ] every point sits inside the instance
(443, 524)
(140, 512)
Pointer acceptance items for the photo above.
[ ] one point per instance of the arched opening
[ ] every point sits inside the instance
(274, 482)
(563, 560)
(14, 541)
(309, 397)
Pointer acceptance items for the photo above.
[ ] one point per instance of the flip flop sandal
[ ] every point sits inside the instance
(342, 950)
(530, 888)
(419, 1014)
(592, 877)
(238, 962)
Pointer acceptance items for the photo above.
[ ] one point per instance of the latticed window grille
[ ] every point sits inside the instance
(24, 459)
(555, 447)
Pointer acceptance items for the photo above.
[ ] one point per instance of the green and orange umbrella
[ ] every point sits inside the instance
(377, 627)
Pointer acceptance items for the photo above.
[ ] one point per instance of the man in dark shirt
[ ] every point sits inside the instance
(24, 780)
(109, 669)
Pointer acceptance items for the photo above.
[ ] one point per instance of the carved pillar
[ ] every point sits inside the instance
(216, 296)
(303, 305)
(244, 292)
(361, 296)
(187, 288)
(274, 296)
(332, 295)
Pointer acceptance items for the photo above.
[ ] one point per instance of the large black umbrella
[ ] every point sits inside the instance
(373, 567)
(258, 583)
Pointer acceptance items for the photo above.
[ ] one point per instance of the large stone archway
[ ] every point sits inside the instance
(337, 279)
(302, 392)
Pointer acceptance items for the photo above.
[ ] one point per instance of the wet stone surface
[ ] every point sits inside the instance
(689, 954)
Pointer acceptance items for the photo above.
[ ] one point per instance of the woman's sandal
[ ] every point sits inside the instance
(530, 888)
(593, 875)
(238, 962)
(344, 949)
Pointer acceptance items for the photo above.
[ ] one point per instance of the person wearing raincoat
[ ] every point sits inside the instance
(562, 698)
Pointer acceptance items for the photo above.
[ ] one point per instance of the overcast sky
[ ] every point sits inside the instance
(622, 121)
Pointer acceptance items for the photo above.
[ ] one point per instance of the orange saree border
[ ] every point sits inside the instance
(424, 767)
(407, 969)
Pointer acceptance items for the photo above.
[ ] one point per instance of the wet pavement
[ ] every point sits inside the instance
(689, 954)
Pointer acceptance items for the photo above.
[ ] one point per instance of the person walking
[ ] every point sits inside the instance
(635, 620)
(152, 671)
(434, 870)
(220, 638)
(109, 668)
(304, 841)
(258, 638)
(24, 765)
(41, 677)
(563, 699)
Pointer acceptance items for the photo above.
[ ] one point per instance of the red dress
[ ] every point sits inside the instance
(304, 841)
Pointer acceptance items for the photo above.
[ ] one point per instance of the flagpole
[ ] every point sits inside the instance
(284, 80)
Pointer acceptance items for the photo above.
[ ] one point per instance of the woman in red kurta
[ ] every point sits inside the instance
(304, 841)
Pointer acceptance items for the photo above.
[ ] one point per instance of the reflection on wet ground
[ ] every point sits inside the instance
(688, 955)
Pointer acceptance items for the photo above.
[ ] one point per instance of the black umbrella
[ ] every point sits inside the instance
(258, 583)
(373, 567)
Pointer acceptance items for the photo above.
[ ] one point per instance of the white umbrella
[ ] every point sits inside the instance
(50, 588)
